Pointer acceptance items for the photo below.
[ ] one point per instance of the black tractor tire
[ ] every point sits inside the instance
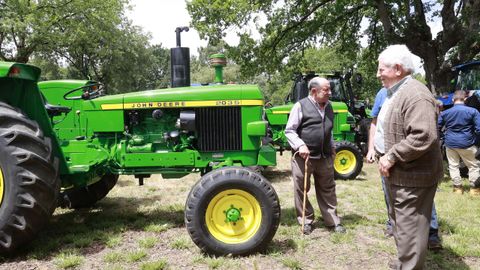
(29, 183)
(232, 211)
(362, 136)
(86, 197)
(348, 161)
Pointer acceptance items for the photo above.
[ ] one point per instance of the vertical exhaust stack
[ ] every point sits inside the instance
(180, 62)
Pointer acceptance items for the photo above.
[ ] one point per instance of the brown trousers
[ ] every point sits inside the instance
(322, 171)
(411, 213)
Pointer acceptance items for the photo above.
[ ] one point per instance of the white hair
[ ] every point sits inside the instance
(316, 82)
(397, 55)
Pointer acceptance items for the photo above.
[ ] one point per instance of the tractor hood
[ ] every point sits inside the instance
(201, 96)
(278, 115)
(338, 107)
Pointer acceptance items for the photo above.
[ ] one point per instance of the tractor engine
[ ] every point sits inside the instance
(174, 130)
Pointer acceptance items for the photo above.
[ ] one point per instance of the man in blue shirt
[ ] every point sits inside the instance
(377, 149)
(461, 126)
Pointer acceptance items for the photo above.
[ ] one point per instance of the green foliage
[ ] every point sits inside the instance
(214, 263)
(113, 240)
(274, 87)
(292, 263)
(181, 243)
(114, 257)
(45, 26)
(157, 265)
(367, 66)
(68, 260)
(158, 228)
(292, 27)
(147, 242)
(91, 39)
(202, 72)
(136, 256)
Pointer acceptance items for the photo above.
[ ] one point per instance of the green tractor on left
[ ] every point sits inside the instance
(65, 143)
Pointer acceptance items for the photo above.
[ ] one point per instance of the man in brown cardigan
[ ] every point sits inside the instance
(412, 164)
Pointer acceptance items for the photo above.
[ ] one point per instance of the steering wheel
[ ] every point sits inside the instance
(90, 91)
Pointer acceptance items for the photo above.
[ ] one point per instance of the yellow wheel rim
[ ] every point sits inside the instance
(1, 186)
(233, 216)
(345, 162)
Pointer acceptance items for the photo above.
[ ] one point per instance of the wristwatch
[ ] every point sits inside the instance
(391, 158)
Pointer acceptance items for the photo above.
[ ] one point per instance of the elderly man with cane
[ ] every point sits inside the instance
(412, 162)
(309, 132)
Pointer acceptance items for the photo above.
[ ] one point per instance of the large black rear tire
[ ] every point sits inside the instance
(232, 210)
(87, 196)
(348, 162)
(363, 131)
(29, 184)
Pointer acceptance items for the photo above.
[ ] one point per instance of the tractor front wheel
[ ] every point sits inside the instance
(29, 184)
(348, 161)
(232, 210)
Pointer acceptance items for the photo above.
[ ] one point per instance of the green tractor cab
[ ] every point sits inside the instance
(351, 122)
(65, 143)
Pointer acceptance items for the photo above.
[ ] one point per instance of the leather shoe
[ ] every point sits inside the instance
(388, 232)
(339, 229)
(434, 243)
(307, 229)
(393, 264)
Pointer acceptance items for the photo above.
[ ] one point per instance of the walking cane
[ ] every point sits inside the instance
(305, 177)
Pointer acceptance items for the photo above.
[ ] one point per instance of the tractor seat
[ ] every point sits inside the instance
(54, 110)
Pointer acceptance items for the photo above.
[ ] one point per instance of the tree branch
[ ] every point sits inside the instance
(296, 24)
(470, 46)
(452, 30)
(384, 16)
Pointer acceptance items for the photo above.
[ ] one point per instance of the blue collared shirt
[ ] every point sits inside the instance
(462, 126)
(379, 99)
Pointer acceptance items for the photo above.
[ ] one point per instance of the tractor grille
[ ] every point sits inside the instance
(219, 129)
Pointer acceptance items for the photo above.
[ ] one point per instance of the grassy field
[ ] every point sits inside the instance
(141, 227)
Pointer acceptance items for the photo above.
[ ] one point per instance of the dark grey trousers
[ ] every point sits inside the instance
(322, 171)
(411, 214)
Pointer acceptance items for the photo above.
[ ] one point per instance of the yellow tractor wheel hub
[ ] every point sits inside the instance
(345, 162)
(2, 186)
(233, 216)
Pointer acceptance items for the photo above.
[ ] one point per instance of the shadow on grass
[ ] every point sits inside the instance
(280, 247)
(90, 230)
(445, 259)
(289, 218)
(277, 176)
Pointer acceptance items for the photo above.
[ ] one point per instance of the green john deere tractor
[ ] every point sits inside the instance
(351, 122)
(65, 143)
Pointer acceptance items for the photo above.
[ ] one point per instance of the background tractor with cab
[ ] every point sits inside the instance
(351, 122)
(65, 143)
(467, 78)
